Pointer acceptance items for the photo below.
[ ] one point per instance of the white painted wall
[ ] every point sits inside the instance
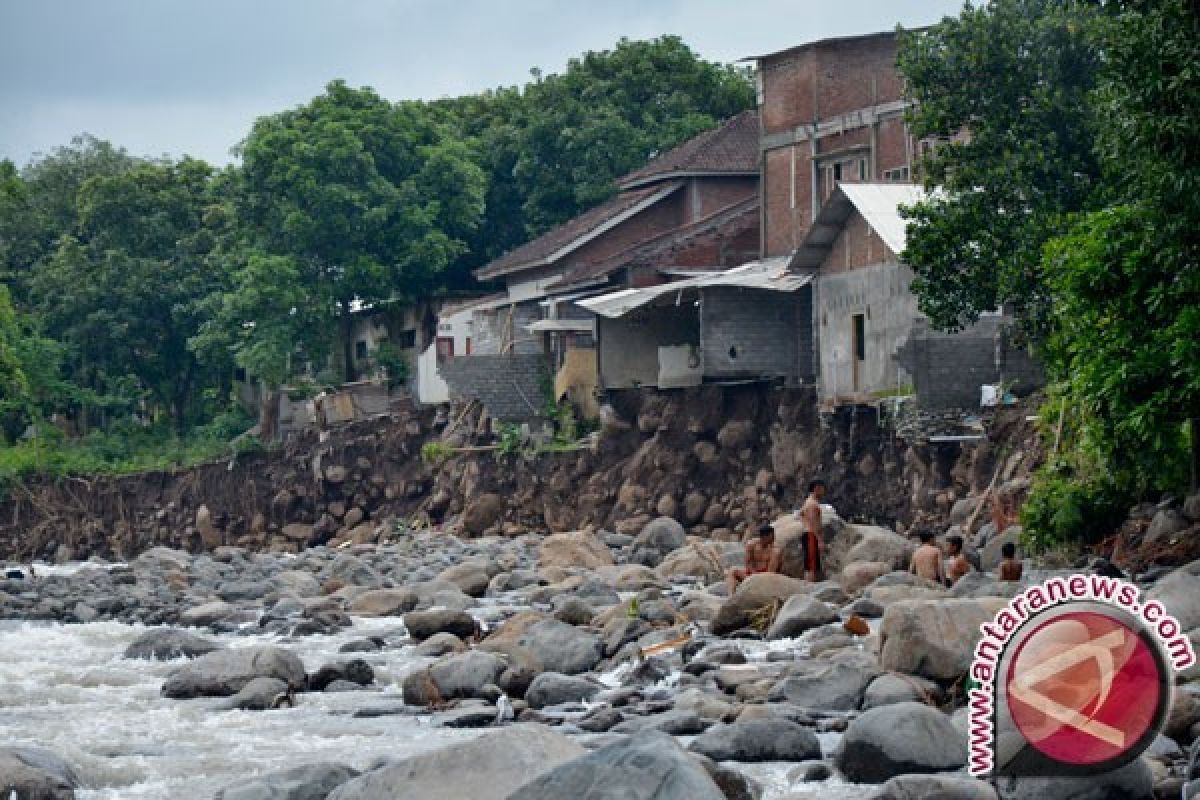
(431, 388)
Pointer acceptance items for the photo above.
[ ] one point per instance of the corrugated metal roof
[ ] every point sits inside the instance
(879, 203)
(569, 325)
(770, 274)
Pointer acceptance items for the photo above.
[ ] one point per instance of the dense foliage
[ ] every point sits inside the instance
(1071, 195)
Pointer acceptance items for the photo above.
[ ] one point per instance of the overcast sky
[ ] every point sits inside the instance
(189, 76)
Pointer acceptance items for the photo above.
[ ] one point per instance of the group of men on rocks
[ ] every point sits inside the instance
(928, 560)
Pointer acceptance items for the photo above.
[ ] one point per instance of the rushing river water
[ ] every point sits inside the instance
(69, 689)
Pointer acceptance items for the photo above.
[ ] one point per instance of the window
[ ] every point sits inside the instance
(360, 350)
(860, 337)
(862, 169)
(445, 348)
(407, 338)
(897, 175)
(468, 345)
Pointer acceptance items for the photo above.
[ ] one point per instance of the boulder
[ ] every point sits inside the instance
(891, 688)
(1134, 781)
(752, 595)
(31, 773)
(168, 643)
(882, 545)
(859, 574)
(259, 694)
(384, 603)
(933, 638)
(472, 579)
(934, 787)
(899, 739)
(306, 782)
(491, 767)
(440, 644)
(772, 739)
(825, 686)
(423, 624)
(696, 560)
(561, 647)
(1166, 524)
(579, 549)
(482, 513)
(457, 676)
(1191, 507)
(1179, 592)
(207, 614)
(354, 671)
(990, 556)
(552, 689)
(646, 766)
(662, 535)
(353, 571)
(799, 614)
(736, 435)
(223, 673)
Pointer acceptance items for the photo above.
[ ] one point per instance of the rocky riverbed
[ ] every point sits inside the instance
(577, 665)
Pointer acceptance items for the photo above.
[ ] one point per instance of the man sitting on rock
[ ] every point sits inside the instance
(959, 566)
(1010, 567)
(761, 556)
(927, 560)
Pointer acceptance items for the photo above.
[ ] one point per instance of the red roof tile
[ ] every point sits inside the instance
(730, 148)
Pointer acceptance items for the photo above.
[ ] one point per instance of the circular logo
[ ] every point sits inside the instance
(1086, 689)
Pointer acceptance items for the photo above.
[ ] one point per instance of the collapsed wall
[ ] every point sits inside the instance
(721, 460)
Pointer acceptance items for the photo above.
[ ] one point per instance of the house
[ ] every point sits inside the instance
(691, 209)
(872, 339)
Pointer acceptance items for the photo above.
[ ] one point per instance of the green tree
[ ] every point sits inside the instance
(1004, 90)
(1126, 279)
(368, 199)
(125, 289)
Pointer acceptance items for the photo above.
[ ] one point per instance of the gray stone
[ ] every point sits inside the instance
(440, 644)
(772, 739)
(36, 774)
(899, 739)
(647, 766)
(355, 671)
(384, 603)
(1166, 523)
(1134, 781)
(223, 673)
(933, 638)
(462, 675)
(661, 536)
(562, 648)
(551, 689)
(423, 624)
(307, 782)
(491, 767)
(893, 688)
(934, 787)
(168, 643)
(1191, 507)
(824, 686)
(799, 614)
(207, 614)
(259, 694)
(1179, 592)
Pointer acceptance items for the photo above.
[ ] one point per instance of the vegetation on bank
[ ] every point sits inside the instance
(1068, 177)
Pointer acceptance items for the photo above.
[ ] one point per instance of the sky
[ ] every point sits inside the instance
(188, 77)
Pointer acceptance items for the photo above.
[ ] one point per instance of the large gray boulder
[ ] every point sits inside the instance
(35, 774)
(561, 647)
(1134, 781)
(207, 613)
(799, 614)
(308, 782)
(647, 766)
(753, 595)
(423, 624)
(488, 768)
(457, 676)
(259, 694)
(660, 537)
(934, 787)
(551, 689)
(899, 739)
(168, 643)
(226, 672)
(769, 739)
(384, 602)
(1179, 592)
(934, 638)
(825, 686)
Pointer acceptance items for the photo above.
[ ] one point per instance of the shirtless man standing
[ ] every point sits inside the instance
(927, 560)
(959, 566)
(761, 556)
(810, 515)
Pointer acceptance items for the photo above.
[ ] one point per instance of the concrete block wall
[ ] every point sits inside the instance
(746, 333)
(488, 329)
(510, 386)
(948, 369)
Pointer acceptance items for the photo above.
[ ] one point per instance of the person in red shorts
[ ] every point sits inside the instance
(761, 556)
(810, 515)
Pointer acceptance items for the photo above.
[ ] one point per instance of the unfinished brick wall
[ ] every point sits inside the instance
(510, 387)
(949, 369)
(746, 333)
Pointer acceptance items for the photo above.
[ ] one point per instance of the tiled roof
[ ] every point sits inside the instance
(730, 148)
(727, 221)
(575, 232)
